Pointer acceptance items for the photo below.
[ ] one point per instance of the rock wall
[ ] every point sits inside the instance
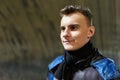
(29, 34)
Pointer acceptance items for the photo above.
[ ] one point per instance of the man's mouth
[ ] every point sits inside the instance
(68, 41)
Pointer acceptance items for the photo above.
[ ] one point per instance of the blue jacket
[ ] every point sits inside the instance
(105, 67)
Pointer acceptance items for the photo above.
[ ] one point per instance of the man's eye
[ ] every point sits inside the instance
(73, 28)
(62, 28)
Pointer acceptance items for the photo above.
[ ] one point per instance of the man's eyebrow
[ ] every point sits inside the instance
(71, 25)
(74, 25)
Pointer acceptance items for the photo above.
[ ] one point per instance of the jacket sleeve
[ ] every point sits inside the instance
(50, 76)
(52, 65)
(107, 69)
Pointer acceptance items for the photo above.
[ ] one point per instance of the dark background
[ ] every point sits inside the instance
(29, 34)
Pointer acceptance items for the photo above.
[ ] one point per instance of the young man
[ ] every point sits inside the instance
(81, 60)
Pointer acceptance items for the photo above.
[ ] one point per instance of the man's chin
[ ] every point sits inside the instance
(69, 49)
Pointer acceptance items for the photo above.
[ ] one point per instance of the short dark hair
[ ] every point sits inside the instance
(77, 8)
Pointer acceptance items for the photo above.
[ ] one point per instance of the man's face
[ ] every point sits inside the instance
(75, 31)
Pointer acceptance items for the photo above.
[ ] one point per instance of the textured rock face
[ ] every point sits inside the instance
(29, 37)
(28, 26)
(29, 34)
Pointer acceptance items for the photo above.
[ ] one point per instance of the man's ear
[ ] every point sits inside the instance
(91, 31)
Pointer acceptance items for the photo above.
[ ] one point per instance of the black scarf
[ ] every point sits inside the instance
(75, 60)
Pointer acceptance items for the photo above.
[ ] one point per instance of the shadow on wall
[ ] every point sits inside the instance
(24, 71)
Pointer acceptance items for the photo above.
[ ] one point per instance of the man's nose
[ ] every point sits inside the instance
(66, 32)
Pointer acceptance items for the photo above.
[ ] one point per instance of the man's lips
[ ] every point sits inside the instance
(68, 41)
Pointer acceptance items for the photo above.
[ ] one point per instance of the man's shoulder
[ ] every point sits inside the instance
(55, 62)
(106, 68)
